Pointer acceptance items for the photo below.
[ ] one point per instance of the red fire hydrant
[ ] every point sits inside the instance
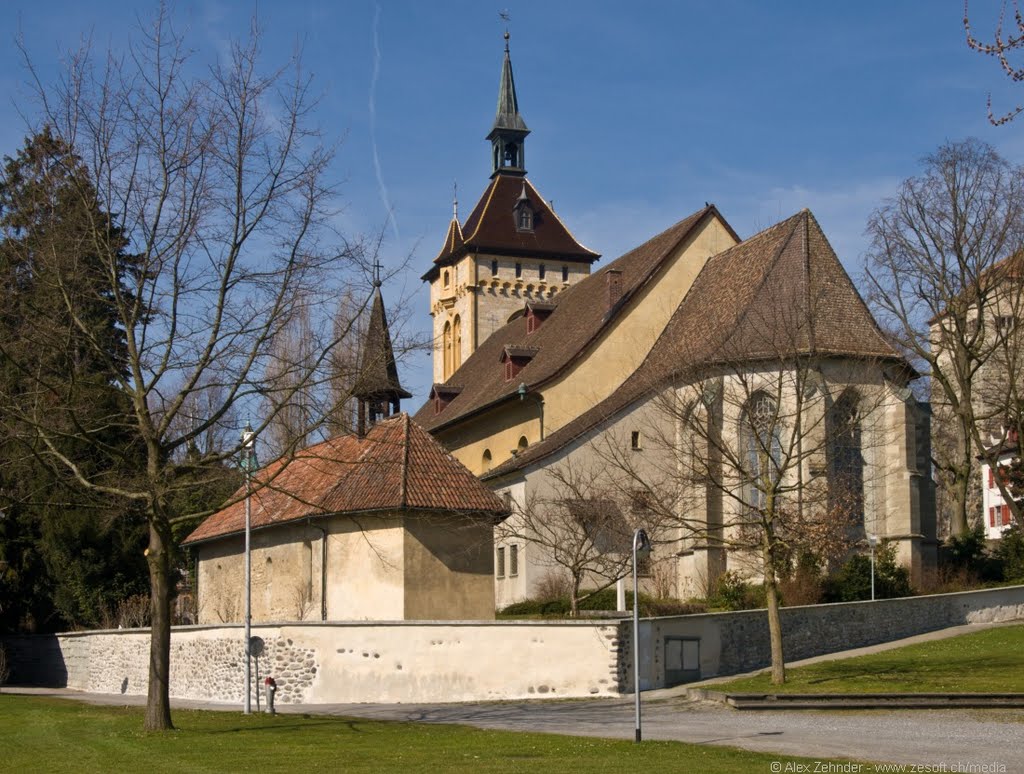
(270, 687)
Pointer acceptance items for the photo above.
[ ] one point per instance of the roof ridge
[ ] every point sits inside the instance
(483, 211)
(741, 318)
(812, 347)
(403, 495)
(560, 221)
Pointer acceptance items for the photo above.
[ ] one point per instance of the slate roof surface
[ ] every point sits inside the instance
(783, 291)
(378, 373)
(396, 466)
(579, 315)
(491, 228)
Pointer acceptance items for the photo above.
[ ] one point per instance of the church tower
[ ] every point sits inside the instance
(512, 249)
(377, 390)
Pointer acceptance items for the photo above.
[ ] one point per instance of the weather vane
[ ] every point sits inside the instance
(505, 17)
(455, 199)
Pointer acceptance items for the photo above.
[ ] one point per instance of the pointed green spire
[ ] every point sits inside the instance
(507, 116)
(509, 132)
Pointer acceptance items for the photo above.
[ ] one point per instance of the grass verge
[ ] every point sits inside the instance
(44, 735)
(988, 661)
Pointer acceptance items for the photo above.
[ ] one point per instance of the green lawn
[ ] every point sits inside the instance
(41, 735)
(988, 661)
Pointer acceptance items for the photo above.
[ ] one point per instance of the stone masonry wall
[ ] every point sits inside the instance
(732, 643)
(479, 661)
(328, 663)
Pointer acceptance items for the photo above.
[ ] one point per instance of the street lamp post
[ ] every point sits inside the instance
(872, 542)
(247, 460)
(641, 550)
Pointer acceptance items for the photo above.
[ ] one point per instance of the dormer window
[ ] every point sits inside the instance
(442, 395)
(523, 211)
(515, 359)
(536, 313)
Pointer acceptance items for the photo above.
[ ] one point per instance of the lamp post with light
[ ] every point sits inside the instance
(641, 550)
(247, 461)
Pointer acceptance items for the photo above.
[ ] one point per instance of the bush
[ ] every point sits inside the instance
(1009, 553)
(732, 592)
(804, 585)
(603, 600)
(853, 581)
(965, 563)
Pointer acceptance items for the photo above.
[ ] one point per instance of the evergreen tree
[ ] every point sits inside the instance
(68, 556)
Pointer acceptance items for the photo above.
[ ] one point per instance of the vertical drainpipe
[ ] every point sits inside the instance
(323, 569)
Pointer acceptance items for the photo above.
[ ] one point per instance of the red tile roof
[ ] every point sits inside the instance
(781, 292)
(491, 228)
(396, 466)
(580, 314)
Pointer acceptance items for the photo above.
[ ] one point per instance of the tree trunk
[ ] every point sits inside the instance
(961, 487)
(774, 625)
(574, 597)
(158, 703)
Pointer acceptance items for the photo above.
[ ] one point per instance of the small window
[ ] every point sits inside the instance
(542, 271)
(565, 274)
(634, 441)
(494, 268)
(513, 561)
(519, 270)
(486, 460)
(507, 498)
(523, 443)
(499, 564)
(446, 278)
(525, 221)
(1005, 324)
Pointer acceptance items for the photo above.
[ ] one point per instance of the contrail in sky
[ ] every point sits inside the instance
(373, 124)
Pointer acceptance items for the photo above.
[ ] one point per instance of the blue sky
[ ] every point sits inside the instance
(640, 112)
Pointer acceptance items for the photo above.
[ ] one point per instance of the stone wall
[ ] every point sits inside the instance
(732, 643)
(352, 662)
(320, 663)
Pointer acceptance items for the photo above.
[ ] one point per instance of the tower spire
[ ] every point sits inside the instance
(509, 131)
(377, 389)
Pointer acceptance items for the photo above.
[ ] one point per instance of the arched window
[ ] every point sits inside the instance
(523, 443)
(844, 455)
(486, 463)
(762, 449)
(446, 344)
(447, 279)
(456, 343)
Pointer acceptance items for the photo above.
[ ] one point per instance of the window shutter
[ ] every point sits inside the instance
(992, 516)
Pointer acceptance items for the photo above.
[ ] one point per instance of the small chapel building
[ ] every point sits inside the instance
(380, 524)
(544, 368)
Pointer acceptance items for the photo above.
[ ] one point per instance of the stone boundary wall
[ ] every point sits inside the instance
(322, 663)
(733, 643)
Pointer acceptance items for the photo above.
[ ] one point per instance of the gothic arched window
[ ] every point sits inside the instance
(844, 455)
(761, 447)
(456, 343)
(446, 344)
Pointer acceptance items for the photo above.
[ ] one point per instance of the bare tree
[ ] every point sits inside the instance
(933, 282)
(757, 467)
(578, 522)
(1002, 47)
(217, 182)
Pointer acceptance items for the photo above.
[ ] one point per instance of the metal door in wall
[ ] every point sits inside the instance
(682, 660)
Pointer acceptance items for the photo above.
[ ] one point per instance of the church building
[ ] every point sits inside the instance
(544, 366)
